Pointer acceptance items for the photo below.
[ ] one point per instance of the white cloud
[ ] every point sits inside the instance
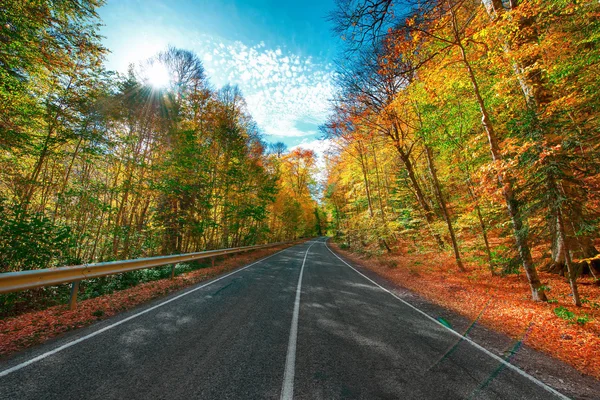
(287, 94)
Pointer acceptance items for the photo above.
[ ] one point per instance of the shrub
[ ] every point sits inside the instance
(31, 240)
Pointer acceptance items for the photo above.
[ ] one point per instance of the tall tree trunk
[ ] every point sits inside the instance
(429, 215)
(572, 274)
(363, 167)
(33, 177)
(442, 201)
(562, 242)
(378, 181)
(482, 225)
(66, 178)
(534, 87)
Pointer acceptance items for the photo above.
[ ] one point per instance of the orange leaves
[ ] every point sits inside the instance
(293, 213)
(562, 103)
(549, 152)
(526, 76)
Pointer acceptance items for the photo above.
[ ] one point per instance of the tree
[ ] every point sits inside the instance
(410, 63)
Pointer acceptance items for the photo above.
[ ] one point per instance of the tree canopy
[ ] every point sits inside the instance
(457, 120)
(96, 165)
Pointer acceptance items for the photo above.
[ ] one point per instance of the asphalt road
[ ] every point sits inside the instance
(299, 324)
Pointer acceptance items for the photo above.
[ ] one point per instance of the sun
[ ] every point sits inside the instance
(158, 75)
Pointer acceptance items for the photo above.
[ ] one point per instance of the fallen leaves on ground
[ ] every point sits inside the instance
(510, 309)
(36, 327)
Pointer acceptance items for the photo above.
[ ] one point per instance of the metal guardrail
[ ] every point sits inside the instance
(23, 280)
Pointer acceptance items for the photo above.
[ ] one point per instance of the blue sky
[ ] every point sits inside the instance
(280, 53)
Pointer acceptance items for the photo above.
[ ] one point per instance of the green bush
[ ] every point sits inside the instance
(507, 259)
(31, 240)
(582, 320)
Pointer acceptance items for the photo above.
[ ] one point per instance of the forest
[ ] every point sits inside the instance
(470, 126)
(96, 165)
(100, 166)
(460, 125)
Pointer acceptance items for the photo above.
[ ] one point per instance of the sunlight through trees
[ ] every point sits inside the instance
(95, 165)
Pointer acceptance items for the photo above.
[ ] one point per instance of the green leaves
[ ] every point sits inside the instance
(31, 240)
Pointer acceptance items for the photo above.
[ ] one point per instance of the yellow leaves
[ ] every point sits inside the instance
(561, 104)
(515, 146)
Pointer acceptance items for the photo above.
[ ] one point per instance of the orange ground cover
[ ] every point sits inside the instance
(506, 300)
(36, 327)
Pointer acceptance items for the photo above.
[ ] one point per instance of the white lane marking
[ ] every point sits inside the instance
(472, 343)
(287, 391)
(106, 328)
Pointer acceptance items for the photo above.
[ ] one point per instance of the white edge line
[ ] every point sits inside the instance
(106, 328)
(471, 342)
(287, 391)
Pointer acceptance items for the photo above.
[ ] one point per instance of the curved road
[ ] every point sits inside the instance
(300, 324)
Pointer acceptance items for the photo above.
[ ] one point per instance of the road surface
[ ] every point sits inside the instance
(299, 324)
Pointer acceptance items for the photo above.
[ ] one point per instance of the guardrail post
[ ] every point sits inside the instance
(173, 271)
(212, 261)
(74, 292)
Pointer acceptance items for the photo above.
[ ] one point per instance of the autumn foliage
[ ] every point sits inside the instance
(469, 127)
(97, 165)
(465, 117)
